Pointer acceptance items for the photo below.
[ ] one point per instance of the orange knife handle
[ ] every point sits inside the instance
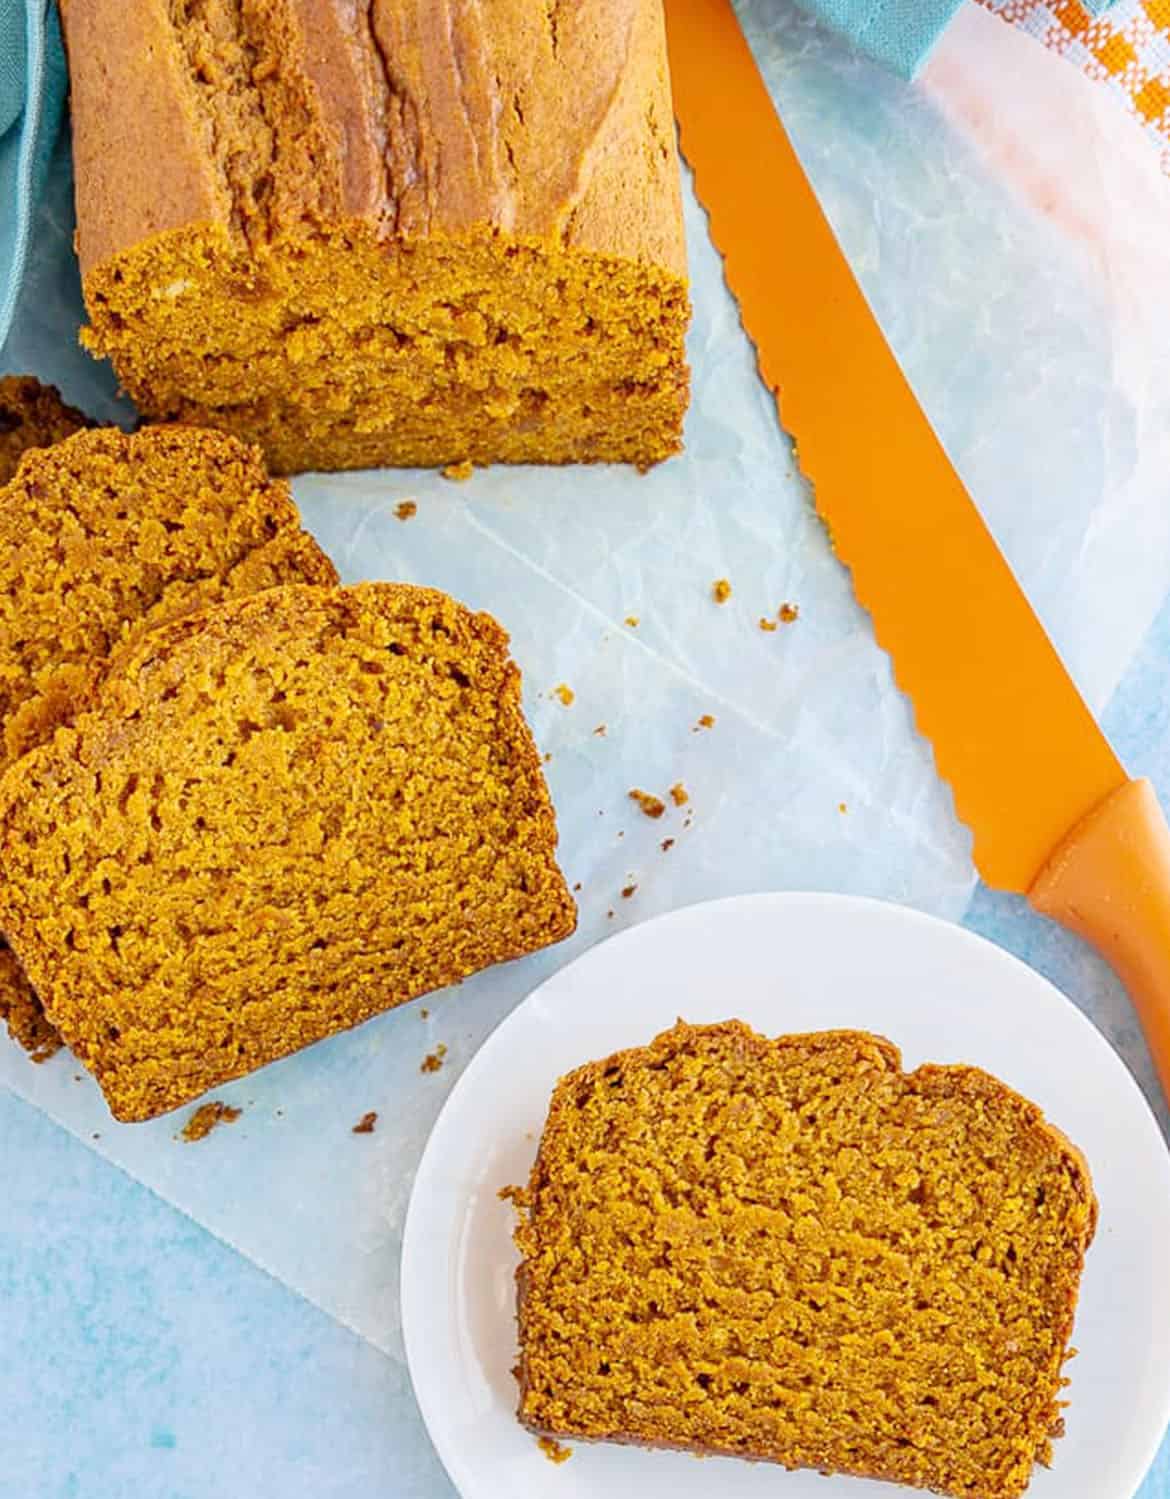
(1109, 882)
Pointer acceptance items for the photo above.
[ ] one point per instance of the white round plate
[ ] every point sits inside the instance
(782, 963)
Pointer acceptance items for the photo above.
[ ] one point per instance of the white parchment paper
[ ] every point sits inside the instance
(1048, 388)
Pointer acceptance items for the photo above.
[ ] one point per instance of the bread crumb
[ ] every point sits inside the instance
(547, 756)
(789, 614)
(628, 891)
(721, 590)
(459, 471)
(555, 1451)
(679, 794)
(707, 721)
(365, 1125)
(406, 510)
(424, 1014)
(653, 806)
(667, 845)
(768, 624)
(609, 915)
(632, 621)
(600, 730)
(205, 1118)
(841, 807)
(517, 1196)
(434, 1060)
(565, 693)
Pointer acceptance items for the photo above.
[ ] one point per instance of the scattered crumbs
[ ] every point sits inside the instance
(424, 1014)
(77, 1077)
(547, 756)
(517, 1196)
(95, 1137)
(406, 510)
(667, 845)
(689, 820)
(679, 794)
(721, 590)
(706, 722)
(653, 806)
(768, 624)
(621, 832)
(632, 621)
(280, 1113)
(600, 730)
(555, 1451)
(841, 807)
(459, 471)
(609, 915)
(789, 613)
(433, 1060)
(565, 693)
(365, 1125)
(628, 891)
(206, 1118)
(576, 887)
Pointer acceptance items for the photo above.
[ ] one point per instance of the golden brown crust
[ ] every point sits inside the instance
(274, 820)
(546, 121)
(794, 1252)
(32, 415)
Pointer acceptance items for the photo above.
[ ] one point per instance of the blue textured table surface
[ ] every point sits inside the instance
(139, 1354)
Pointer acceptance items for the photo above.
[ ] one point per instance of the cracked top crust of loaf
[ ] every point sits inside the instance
(791, 1250)
(547, 119)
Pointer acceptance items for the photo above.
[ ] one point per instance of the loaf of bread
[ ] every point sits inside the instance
(103, 537)
(403, 232)
(791, 1250)
(32, 415)
(274, 820)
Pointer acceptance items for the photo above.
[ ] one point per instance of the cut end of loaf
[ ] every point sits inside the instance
(334, 349)
(791, 1250)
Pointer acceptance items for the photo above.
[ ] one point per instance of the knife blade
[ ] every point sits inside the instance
(1052, 811)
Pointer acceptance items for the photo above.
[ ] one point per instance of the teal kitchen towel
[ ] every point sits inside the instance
(899, 33)
(32, 98)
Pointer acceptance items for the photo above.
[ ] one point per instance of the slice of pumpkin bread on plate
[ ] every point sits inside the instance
(792, 1250)
(32, 415)
(102, 537)
(275, 820)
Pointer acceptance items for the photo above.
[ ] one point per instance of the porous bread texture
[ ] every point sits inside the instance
(32, 415)
(407, 232)
(275, 820)
(792, 1250)
(103, 537)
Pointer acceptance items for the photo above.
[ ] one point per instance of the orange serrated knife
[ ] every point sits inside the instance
(1053, 812)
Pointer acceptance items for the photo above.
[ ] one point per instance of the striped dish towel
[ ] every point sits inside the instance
(1127, 50)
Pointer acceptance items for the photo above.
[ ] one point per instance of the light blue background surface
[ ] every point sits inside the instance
(140, 1356)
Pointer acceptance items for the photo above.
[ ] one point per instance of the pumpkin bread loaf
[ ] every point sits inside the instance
(791, 1250)
(274, 820)
(32, 415)
(404, 232)
(103, 537)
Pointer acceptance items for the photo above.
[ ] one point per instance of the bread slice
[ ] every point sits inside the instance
(275, 820)
(32, 415)
(103, 537)
(792, 1250)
